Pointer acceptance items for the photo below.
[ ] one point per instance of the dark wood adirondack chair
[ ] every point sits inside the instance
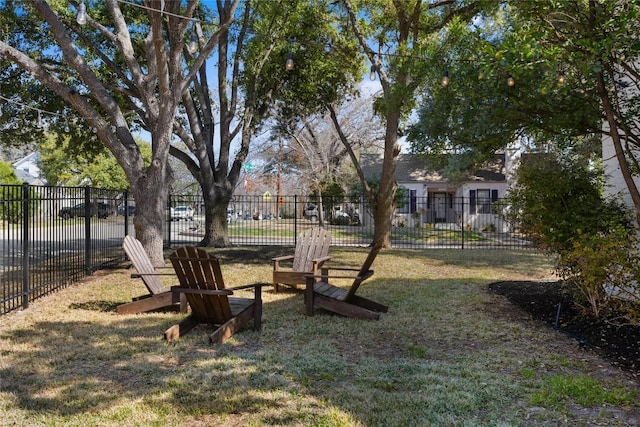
(202, 284)
(309, 256)
(158, 296)
(320, 293)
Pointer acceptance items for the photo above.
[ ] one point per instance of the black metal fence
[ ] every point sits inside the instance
(423, 223)
(53, 236)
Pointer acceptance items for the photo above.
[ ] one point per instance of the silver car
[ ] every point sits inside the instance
(181, 212)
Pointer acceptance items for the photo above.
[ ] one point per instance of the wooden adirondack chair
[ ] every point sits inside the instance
(320, 293)
(202, 284)
(309, 256)
(158, 296)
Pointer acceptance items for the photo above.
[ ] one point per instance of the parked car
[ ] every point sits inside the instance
(101, 210)
(181, 212)
(130, 208)
(311, 212)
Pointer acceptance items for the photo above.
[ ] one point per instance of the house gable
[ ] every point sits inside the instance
(28, 170)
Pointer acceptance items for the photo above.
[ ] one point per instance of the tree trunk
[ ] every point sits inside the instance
(151, 202)
(617, 145)
(384, 199)
(216, 202)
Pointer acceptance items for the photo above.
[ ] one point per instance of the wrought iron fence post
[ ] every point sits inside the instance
(168, 221)
(295, 219)
(126, 213)
(463, 222)
(87, 229)
(25, 245)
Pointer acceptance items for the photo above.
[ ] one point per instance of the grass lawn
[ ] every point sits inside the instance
(448, 353)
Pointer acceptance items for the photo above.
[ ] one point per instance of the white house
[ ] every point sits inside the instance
(27, 169)
(615, 185)
(433, 199)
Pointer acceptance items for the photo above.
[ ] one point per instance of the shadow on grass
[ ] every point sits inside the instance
(102, 306)
(70, 368)
(260, 255)
(437, 358)
(112, 365)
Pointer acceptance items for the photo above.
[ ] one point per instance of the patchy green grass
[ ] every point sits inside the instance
(584, 390)
(447, 353)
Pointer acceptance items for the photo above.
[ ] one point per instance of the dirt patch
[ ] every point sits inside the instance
(546, 301)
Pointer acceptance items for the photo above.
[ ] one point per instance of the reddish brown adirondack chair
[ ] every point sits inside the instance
(309, 256)
(201, 282)
(158, 296)
(320, 293)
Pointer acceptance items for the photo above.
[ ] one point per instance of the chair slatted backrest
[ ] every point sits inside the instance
(141, 262)
(312, 244)
(197, 269)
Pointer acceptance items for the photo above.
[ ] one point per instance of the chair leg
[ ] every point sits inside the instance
(223, 333)
(183, 303)
(147, 303)
(226, 330)
(308, 296)
(257, 309)
(182, 328)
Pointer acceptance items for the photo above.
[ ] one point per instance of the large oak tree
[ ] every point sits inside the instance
(124, 68)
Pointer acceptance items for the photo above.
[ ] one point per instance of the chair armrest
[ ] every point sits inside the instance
(177, 289)
(321, 260)
(276, 261)
(139, 275)
(324, 276)
(325, 270)
(253, 285)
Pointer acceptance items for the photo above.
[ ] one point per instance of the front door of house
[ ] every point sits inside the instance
(440, 204)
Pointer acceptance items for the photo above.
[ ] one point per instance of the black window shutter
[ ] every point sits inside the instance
(472, 201)
(494, 195)
(413, 206)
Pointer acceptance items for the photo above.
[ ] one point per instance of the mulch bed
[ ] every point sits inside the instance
(620, 344)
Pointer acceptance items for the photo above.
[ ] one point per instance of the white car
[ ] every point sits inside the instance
(181, 212)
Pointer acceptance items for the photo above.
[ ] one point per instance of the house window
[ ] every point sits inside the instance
(409, 204)
(484, 201)
(480, 200)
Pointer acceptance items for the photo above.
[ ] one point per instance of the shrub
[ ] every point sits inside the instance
(558, 203)
(341, 220)
(489, 228)
(601, 270)
(11, 203)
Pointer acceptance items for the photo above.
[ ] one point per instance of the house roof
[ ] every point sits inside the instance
(415, 168)
(27, 169)
(33, 157)
(25, 176)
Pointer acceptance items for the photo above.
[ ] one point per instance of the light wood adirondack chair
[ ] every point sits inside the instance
(202, 284)
(320, 293)
(158, 296)
(309, 256)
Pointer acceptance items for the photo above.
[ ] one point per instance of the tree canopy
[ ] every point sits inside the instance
(7, 175)
(573, 65)
(121, 70)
